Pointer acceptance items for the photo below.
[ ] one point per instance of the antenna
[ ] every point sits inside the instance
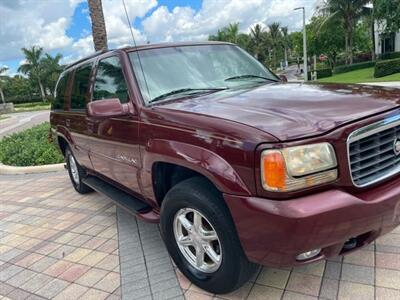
(134, 42)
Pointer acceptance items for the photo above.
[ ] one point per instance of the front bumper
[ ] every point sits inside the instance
(273, 232)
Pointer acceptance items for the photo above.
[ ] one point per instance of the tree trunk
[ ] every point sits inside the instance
(351, 38)
(42, 91)
(99, 32)
(347, 47)
(373, 39)
(2, 96)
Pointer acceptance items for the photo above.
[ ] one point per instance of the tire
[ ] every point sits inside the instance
(198, 196)
(76, 173)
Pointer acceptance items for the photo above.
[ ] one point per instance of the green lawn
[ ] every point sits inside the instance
(360, 76)
(31, 106)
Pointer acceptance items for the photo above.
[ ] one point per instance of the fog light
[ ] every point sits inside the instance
(308, 255)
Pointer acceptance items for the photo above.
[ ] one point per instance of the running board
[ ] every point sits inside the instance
(118, 196)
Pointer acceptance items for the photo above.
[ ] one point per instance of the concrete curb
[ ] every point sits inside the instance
(11, 170)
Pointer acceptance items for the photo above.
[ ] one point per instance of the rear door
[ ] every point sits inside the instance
(114, 149)
(75, 117)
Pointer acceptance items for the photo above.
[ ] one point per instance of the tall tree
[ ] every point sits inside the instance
(99, 31)
(285, 41)
(51, 70)
(257, 39)
(33, 67)
(232, 32)
(275, 40)
(387, 12)
(349, 12)
(2, 83)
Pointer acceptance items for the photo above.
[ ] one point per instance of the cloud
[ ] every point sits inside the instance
(184, 23)
(28, 23)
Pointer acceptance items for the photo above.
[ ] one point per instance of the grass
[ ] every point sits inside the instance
(30, 147)
(360, 76)
(3, 117)
(31, 106)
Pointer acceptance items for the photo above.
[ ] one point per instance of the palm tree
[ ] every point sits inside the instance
(99, 31)
(51, 70)
(349, 11)
(232, 32)
(256, 35)
(275, 39)
(285, 42)
(2, 79)
(33, 67)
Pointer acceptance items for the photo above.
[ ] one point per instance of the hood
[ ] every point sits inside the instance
(292, 111)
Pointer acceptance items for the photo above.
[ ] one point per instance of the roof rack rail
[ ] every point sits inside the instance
(86, 58)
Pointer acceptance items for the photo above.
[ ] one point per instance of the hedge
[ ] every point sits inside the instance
(322, 73)
(23, 99)
(387, 67)
(29, 148)
(353, 67)
(389, 55)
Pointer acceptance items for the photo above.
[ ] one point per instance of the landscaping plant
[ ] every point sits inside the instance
(30, 147)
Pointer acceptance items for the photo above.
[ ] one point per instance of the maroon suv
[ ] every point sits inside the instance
(239, 167)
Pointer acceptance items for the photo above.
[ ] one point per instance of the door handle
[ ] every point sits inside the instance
(68, 122)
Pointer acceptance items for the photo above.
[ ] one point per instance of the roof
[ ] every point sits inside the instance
(147, 46)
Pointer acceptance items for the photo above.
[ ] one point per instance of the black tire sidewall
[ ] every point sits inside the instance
(79, 187)
(210, 206)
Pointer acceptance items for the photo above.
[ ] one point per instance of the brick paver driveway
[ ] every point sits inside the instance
(55, 243)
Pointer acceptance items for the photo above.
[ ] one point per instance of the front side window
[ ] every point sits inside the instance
(80, 87)
(163, 71)
(58, 102)
(110, 81)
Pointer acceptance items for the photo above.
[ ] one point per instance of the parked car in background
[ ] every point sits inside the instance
(239, 167)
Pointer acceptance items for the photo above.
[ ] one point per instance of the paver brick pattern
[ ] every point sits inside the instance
(57, 244)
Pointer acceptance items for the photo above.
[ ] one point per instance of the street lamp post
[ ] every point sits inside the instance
(304, 43)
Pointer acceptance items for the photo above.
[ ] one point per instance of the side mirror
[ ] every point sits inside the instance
(283, 78)
(107, 108)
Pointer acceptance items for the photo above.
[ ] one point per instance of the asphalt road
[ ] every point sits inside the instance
(20, 121)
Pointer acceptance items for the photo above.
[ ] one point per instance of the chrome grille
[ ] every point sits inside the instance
(372, 155)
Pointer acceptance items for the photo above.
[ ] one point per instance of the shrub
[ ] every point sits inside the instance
(387, 67)
(323, 73)
(389, 55)
(29, 148)
(353, 67)
(23, 99)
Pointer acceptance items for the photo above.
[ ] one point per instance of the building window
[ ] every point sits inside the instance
(388, 43)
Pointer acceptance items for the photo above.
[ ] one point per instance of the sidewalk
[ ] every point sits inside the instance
(57, 244)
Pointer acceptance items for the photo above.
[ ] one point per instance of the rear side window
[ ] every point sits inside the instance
(110, 81)
(80, 87)
(58, 102)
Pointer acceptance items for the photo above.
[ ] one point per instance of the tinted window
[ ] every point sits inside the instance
(110, 81)
(58, 102)
(80, 87)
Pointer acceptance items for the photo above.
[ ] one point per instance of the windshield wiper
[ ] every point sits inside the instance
(186, 90)
(250, 76)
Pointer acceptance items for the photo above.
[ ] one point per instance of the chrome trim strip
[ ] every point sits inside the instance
(368, 131)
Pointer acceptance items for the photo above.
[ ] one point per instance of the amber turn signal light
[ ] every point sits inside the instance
(273, 171)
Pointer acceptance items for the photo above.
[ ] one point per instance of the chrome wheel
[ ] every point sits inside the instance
(197, 240)
(74, 169)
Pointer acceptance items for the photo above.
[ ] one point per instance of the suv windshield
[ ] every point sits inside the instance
(192, 70)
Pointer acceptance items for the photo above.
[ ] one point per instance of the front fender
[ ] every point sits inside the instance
(198, 159)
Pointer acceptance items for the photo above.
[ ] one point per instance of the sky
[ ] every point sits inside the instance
(63, 26)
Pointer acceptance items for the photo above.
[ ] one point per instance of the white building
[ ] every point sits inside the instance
(386, 43)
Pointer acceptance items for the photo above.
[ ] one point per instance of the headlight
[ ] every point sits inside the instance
(299, 167)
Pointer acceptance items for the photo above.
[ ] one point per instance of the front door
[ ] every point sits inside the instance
(114, 149)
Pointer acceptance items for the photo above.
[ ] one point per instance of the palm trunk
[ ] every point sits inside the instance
(2, 96)
(351, 38)
(42, 91)
(373, 39)
(98, 25)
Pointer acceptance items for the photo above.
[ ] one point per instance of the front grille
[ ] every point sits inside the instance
(372, 154)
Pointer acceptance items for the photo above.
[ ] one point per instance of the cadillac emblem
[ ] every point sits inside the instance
(396, 147)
